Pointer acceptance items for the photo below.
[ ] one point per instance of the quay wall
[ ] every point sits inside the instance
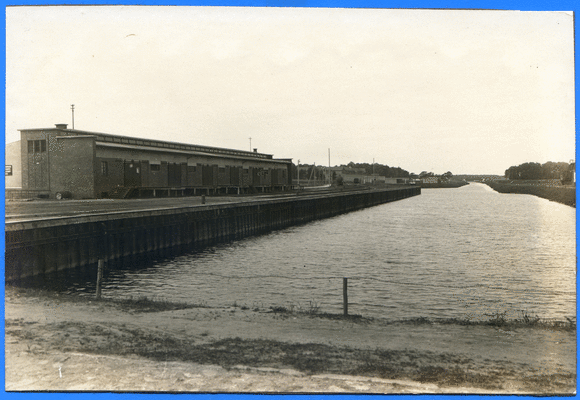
(48, 245)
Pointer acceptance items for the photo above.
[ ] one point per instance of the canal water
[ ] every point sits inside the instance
(466, 253)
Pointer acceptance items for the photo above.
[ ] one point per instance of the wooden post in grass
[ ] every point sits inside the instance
(345, 296)
(101, 265)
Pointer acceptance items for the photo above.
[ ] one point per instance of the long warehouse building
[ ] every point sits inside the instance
(60, 162)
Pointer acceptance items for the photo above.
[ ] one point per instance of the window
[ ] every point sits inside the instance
(37, 146)
(8, 170)
(104, 168)
(155, 167)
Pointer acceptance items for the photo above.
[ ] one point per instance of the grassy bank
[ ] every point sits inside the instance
(56, 342)
(561, 194)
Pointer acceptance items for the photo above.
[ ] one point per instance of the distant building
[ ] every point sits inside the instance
(359, 175)
(430, 179)
(374, 179)
(397, 181)
(60, 162)
(13, 172)
(349, 175)
(343, 170)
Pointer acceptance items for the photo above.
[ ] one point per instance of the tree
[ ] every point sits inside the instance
(376, 169)
(568, 175)
(552, 170)
(535, 171)
(531, 171)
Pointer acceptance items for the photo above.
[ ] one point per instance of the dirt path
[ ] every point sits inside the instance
(69, 343)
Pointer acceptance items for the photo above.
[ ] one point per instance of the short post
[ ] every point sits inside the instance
(203, 199)
(345, 296)
(101, 265)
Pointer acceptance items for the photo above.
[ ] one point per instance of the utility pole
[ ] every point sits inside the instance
(329, 176)
(72, 107)
(250, 144)
(298, 171)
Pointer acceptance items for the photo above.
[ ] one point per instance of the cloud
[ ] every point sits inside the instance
(395, 85)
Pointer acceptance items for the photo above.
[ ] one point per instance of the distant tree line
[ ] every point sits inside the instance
(318, 172)
(380, 169)
(535, 171)
(427, 174)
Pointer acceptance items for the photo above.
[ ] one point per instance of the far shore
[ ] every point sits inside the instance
(57, 342)
(443, 185)
(560, 194)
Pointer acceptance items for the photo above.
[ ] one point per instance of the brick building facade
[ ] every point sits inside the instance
(60, 162)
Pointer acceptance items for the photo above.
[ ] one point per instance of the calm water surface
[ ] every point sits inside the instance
(464, 253)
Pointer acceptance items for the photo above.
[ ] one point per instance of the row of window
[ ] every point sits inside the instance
(105, 168)
(37, 146)
(157, 167)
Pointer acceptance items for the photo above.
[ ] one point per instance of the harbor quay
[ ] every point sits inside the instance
(40, 245)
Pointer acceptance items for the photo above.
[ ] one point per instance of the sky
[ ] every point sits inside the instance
(466, 91)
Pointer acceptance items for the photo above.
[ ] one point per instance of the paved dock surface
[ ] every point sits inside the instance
(25, 210)
(22, 210)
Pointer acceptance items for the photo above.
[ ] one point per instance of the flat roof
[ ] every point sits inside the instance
(189, 152)
(129, 140)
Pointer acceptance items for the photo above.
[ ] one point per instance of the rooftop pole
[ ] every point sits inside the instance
(298, 170)
(72, 107)
(329, 177)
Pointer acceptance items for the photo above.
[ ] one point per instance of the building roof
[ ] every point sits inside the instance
(348, 170)
(140, 143)
(189, 152)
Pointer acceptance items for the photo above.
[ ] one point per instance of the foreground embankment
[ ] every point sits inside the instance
(561, 194)
(47, 245)
(69, 343)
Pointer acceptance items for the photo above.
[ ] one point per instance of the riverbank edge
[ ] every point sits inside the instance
(559, 194)
(48, 335)
(443, 185)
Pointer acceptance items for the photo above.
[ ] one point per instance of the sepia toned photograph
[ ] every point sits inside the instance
(290, 200)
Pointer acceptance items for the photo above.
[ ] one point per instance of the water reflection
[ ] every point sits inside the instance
(462, 253)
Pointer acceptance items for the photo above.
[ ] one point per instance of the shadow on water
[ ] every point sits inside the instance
(83, 280)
